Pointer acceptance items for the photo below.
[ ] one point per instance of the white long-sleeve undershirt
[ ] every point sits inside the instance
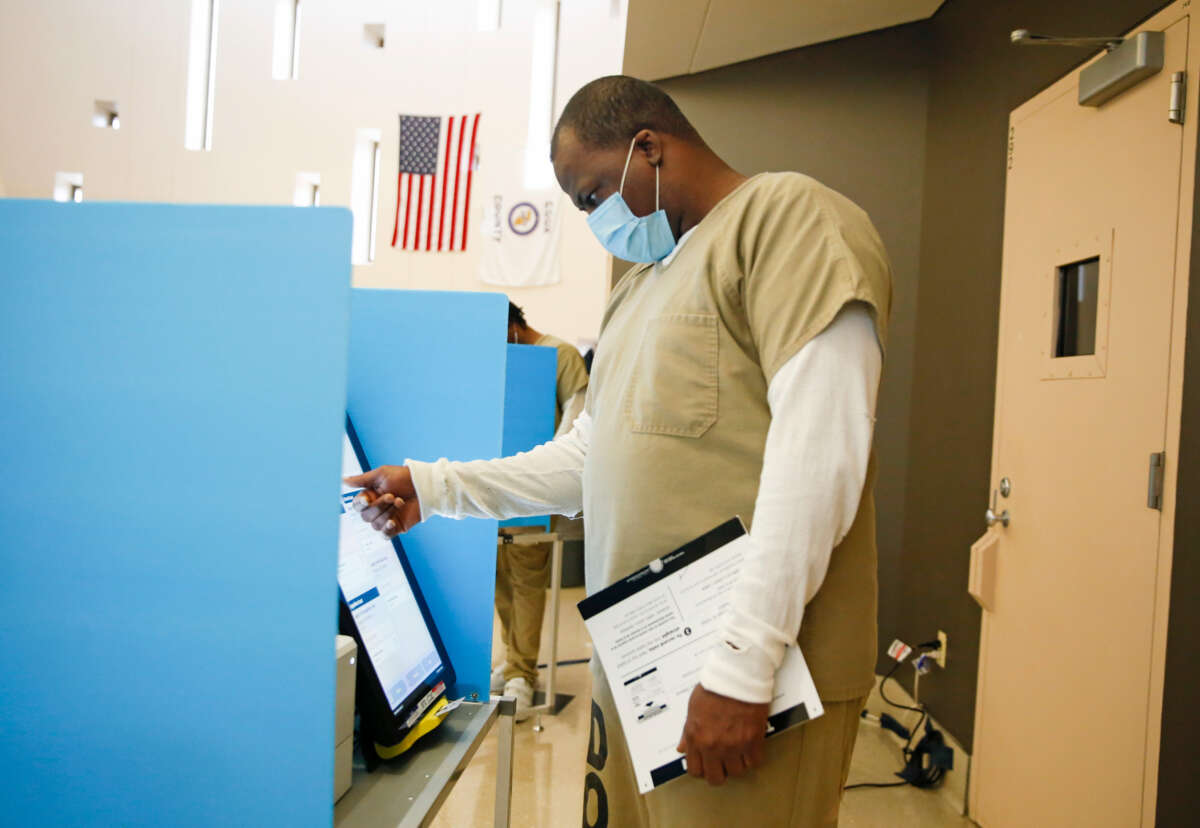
(814, 468)
(547, 480)
(822, 403)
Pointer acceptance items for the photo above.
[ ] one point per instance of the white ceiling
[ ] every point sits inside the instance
(665, 38)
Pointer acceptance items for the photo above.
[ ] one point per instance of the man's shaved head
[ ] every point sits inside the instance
(623, 135)
(609, 111)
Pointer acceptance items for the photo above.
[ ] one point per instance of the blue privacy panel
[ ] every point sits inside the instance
(427, 381)
(529, 406)
(170, 444)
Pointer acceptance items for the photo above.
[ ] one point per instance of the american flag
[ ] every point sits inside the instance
(433, 191)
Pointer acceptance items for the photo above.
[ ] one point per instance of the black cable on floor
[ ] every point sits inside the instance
(883, 691)
(915, 773)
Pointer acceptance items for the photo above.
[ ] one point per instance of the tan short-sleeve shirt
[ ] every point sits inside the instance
(678, 394)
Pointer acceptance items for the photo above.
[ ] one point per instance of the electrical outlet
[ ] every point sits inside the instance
(940, 655)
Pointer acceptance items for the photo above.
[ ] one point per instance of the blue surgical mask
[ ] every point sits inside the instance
(635, 239)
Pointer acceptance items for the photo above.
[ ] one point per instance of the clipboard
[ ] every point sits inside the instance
(652, 632)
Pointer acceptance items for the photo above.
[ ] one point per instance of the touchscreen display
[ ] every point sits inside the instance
(381, 600)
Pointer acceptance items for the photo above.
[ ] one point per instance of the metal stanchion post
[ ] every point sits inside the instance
(551, 701)
(504, 761)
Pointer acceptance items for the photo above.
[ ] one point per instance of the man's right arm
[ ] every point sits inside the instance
(544, 480)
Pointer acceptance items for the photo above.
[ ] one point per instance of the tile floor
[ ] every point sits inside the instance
(876, 758)
(548, 766)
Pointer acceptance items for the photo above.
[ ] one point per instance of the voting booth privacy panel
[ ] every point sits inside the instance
(426, 380)
(170, 443)
(530, 403)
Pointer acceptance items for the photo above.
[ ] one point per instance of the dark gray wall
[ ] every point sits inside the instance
(912, 124)
(851, 114)
(977, 78)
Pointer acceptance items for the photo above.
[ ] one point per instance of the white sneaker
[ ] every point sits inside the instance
(497, 685)
(523, 691)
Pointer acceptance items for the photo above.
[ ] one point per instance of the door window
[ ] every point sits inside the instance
(1077, 303)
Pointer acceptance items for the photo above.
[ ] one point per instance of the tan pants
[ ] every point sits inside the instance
(798, 786)
(522, 576)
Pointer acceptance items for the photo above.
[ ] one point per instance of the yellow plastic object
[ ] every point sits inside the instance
(428, 722)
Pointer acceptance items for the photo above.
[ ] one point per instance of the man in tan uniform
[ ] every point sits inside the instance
(571, 377)
(736, 374)
(523, 572)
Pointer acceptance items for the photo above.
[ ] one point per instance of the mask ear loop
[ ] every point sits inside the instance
(625, 172)
(628, 158)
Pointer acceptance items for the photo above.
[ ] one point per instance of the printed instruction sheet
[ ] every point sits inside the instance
(652, 632)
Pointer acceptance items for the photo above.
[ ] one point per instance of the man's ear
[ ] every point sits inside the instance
(648, 144)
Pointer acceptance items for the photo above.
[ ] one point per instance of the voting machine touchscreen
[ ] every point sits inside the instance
(403, 669)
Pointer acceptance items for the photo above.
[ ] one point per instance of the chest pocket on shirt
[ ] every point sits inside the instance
(673, 389)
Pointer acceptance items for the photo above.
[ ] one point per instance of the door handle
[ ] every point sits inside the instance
(992, 518)
(981, 583)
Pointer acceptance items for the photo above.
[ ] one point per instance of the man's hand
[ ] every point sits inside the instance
(388, 500)
(722, 736)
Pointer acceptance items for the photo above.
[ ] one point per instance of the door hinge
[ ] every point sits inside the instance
(1154, 489)
(1012, 144)
(1178, 90)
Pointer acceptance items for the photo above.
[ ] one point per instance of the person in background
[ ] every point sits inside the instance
(572, 374)
(736, 373)
(523, 572)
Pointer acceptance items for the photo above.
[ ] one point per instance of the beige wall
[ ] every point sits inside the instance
(851, 114)
(57, 58)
